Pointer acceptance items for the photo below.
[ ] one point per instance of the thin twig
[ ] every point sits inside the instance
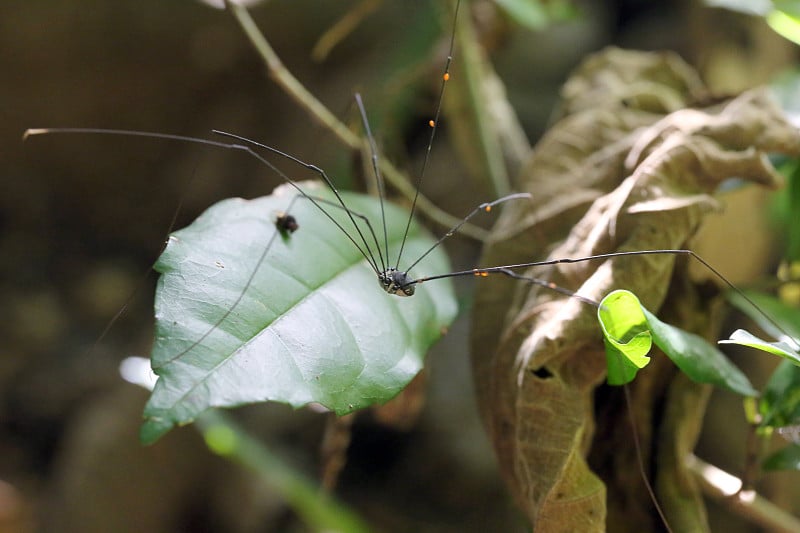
(343, 27)
(286, 80)
(726, 489)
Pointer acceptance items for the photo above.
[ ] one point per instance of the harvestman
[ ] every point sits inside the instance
(374, 247)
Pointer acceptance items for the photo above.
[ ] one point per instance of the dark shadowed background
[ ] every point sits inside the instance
(83, 216)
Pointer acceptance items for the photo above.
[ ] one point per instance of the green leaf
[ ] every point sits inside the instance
(781, 349)
(698, 359)
(780, 401)
(314, 325)
(787, 458)
(785, 24)
(627, 339)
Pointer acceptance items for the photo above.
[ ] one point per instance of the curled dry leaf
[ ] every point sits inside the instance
(656, 82)
(621, 175)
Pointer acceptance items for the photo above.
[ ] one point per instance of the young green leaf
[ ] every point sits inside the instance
(627, 338)
(313, 326)
(698, 359)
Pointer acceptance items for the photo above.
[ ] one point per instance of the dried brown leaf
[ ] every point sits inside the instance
(538, 357)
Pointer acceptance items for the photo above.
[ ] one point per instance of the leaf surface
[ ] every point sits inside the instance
(314, 325)
(630, 330)
(780, 348)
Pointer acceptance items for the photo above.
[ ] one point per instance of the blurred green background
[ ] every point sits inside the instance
(82, 217)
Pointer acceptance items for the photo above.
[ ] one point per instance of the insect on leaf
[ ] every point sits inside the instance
(313, 326)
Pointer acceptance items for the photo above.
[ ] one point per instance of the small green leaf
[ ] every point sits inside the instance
(787, 458)
(785, 24)
(314, 325)
(781, 349)
(627, 338)
(698, 359)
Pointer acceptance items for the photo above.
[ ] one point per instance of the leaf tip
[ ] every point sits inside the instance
(153, 429)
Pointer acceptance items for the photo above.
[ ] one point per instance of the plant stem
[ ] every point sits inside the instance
(281, 75)
(314, 507)
(726, 489)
